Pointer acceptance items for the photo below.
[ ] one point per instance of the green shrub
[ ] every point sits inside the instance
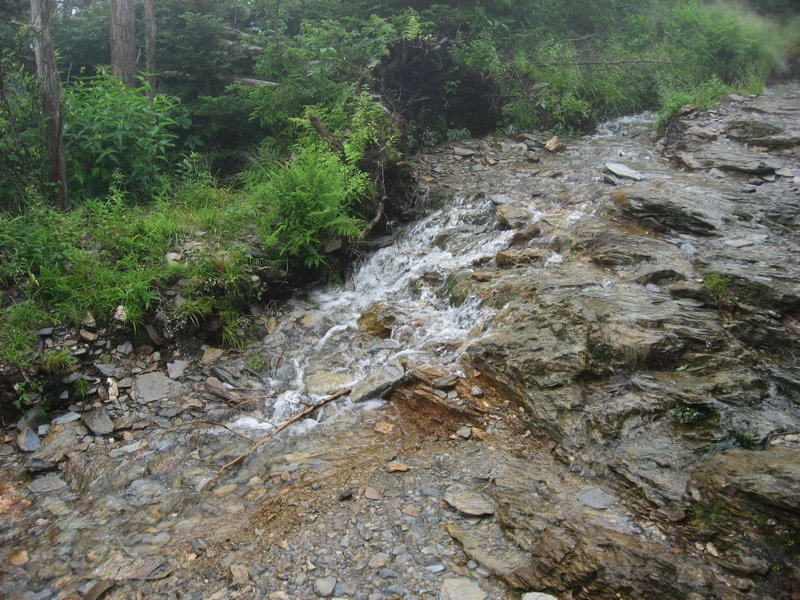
(116, 136)
(307, 202)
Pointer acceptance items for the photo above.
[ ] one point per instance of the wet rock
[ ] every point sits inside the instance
(461, 588)
(555, 144)
(156, 386)
(98, 422)
(378, 383)
(45, 485)
(762, 132)
(61, 440)
(28, 441)
(717, 155)
(668, 212)
(469, 502)
(597, 499)
(514, 217)
(767, 481)
(378, 320)
(623, 171)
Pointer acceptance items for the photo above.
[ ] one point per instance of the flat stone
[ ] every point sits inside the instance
(537, 596)
(99, 422)
(397, 467)
(106, 369)
(462, 151)
(461, 588)
(62, 439)
(28, 441)
(623, 171)
(370, 493)
(45, 485)
(88, 336)
(515, 217)
(324, 586)
(66, 418)
(469, 502)
(597, 498)
(156, 386)
(211, 355)
(378, 383)
(176, 369)
(128, 449)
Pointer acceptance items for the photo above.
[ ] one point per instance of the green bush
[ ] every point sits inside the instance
(307, 203)
(116, 135)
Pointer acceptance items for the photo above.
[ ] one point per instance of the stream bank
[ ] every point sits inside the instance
(576, 375)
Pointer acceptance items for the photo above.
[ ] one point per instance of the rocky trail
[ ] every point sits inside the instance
(575, 377)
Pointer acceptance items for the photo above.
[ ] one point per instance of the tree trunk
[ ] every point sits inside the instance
(123, 41)
(150, 45)
(51, 86)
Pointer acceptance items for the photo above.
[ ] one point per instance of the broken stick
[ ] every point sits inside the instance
(279, 428)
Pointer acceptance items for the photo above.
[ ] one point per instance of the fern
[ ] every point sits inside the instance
(307, 202)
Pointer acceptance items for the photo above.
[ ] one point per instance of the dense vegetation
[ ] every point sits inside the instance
(270, 140)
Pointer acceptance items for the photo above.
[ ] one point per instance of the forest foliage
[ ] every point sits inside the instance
(225, 147)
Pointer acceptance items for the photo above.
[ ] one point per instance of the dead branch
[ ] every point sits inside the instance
(278, 429)
(328, 137)
(376, 219)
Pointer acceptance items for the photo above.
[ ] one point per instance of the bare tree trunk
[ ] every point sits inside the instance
(123, 41)
(150, 45)
(51, 86)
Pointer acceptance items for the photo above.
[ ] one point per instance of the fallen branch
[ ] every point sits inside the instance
(328, 137)
(278, 429)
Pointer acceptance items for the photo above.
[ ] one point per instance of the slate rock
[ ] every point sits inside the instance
(99, 422)
(156, 386)
(45, 485)
(623, 171)
(597, 499)
(378, 383)
(28, 441)
(61, 440)
(469, 502)
(176, 369)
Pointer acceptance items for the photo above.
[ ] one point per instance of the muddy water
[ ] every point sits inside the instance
(151, 510)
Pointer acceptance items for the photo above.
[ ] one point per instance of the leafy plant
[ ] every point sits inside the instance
(117, 138)
(307, 202)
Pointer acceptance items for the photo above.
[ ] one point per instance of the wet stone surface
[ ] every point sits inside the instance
(576, 376)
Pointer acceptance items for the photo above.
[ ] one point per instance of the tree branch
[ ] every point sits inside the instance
(278, 429)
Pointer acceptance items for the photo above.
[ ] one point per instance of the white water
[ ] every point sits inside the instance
(318, 331)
